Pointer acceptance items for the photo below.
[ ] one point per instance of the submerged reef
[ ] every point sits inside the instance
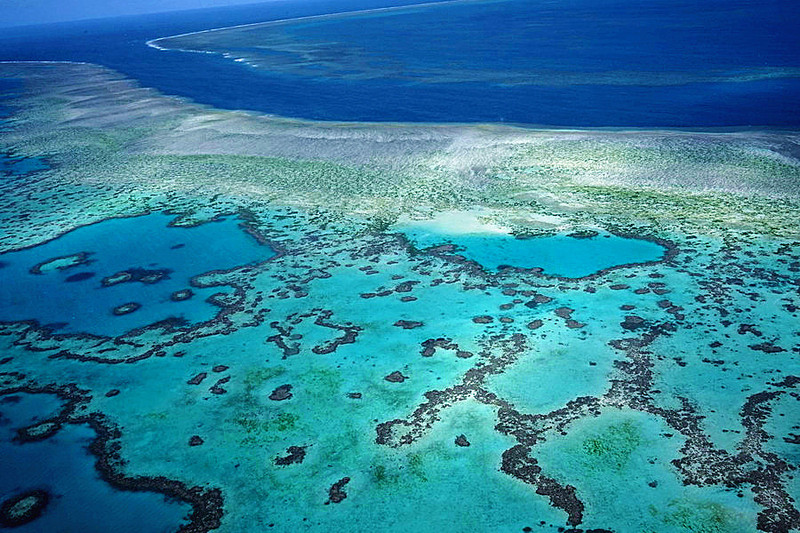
(353, 380)
(23, 508)
(61, 263)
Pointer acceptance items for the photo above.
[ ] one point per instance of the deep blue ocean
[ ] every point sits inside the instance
(708, 44)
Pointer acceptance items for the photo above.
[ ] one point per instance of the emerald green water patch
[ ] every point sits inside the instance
(623, 453)
(613, 447)
(702, 517)
(467, 473)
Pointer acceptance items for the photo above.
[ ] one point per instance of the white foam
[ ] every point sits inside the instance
(153, 42)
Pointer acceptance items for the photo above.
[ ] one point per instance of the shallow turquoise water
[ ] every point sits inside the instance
(75, 300)
(604, 454)
(557, 255)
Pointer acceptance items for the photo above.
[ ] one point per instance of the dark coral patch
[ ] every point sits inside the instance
(23, 508)
(61, 262)
(181, 295)
(564, 312)
(284, 392)
(583, 234)
(749, 328)
(408, 324)
(40, 431)
(216, 388)
(336, 493)
(633, 322)
(119, 277)
(126, 309)
(429, 346)
(198, 379)
(142, 275)
(350, 333)
(396, 377)
(793, 438)
(406, 286)
(516, 462)
(767, 347)
(294, 455)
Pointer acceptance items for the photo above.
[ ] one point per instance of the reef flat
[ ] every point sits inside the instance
(357, 378)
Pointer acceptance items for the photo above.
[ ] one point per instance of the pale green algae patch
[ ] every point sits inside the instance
(565, 389)
(616, 462)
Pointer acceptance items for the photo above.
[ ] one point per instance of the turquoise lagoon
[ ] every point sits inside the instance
(575, 255)
(88, 272)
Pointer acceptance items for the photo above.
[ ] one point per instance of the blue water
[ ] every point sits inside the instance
(12, 167)
(72, 300)
(9, 88)
(508, 42)
(63, 466)
(598, 63)
(557, 255)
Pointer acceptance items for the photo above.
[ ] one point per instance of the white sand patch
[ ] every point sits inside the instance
(474, 222)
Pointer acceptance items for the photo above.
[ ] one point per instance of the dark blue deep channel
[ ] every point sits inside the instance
(735, 62)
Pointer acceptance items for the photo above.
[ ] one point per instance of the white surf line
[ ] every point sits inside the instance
(152, 42)
(30, 62)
